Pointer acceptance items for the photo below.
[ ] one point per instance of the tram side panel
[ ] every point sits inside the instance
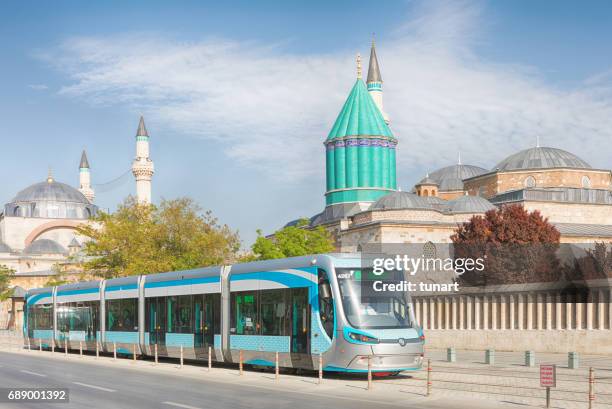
(121, 315)
(273, 312)
(39, 318)
(77, 310)
(183, 312)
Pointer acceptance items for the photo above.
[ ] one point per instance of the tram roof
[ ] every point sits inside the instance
(82, 285)
(179, 275)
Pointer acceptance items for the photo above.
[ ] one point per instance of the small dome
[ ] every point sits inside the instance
(4, 248)
(470, 204)
(44, 246)
(451, 177)
(541, 158)
(427, 181)
(400, 200)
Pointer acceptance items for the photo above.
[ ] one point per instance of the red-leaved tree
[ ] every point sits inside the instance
(517, 246)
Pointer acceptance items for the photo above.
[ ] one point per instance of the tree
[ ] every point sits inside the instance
(518, 247)
(596, 263)
(142, 238)
(6, 274)
(291, 241)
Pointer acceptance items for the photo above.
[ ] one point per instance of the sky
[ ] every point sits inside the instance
(239, 96)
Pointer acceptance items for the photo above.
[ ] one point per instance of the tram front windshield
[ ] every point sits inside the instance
(364, 309)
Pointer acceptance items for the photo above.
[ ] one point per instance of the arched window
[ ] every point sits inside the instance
(530, 181)
(425, 192)
(586, 182)
(429, 250)
(17, 211)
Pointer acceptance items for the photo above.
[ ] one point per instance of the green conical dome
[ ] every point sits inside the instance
(359, 116)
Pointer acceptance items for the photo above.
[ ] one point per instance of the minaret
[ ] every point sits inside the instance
(375, 82)
(85, 178)
(142, 167)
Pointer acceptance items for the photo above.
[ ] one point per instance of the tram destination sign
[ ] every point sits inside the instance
(548, 376)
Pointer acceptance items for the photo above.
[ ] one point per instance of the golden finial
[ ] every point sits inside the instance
(50, 176)
(358, 66)
(373, 40)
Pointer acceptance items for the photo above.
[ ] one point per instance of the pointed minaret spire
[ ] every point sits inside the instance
(142, 166)
(84, 162)
(85, 178)
(459, 158)
(142, 129)
(375, 81)
(373, 68)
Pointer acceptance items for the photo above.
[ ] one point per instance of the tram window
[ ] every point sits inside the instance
(273, 310)
(40, 316)
(180, 314)
(122, 314)
(326, 304)
(77, 316)
(244, 319)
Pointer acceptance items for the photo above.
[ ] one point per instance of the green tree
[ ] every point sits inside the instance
(142, 239)
(58, 278)
(6, 274)
(291, 241)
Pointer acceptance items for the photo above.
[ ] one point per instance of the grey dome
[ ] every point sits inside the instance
(50, 191)
(401, 200)
(541, 158)
(427, 180)
(451, 177)
(44, 246)
(4, 248)
(50, 199)
(434, 200)
(470, 204)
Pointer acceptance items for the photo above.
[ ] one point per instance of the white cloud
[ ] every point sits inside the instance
(38, 87)
(271, 109)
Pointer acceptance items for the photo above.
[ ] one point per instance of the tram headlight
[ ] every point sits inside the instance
(362, 338)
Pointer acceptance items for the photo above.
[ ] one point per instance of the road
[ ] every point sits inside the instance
(97, 384)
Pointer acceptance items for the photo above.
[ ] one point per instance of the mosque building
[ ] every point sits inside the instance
(363, 204)
(38, 227)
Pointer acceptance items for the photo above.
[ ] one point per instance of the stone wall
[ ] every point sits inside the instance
(493, 183)
(583, 213)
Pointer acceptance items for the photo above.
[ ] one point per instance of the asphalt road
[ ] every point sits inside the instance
(99, 386)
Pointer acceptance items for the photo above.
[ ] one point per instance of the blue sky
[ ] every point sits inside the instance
(239, 97)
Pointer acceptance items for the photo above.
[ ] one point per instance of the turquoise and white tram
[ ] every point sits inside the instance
(299, 307)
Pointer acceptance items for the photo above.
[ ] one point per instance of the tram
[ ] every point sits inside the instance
(302, 308)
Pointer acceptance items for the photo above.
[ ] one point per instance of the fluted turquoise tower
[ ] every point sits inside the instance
(360, 151)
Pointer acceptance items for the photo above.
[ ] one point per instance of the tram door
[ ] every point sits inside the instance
(92, 321)
(205, 319)
(156, 314)
(300, 321)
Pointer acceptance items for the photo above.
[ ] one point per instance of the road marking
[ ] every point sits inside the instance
(94, 387)
(179, 405)
(33, 373)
